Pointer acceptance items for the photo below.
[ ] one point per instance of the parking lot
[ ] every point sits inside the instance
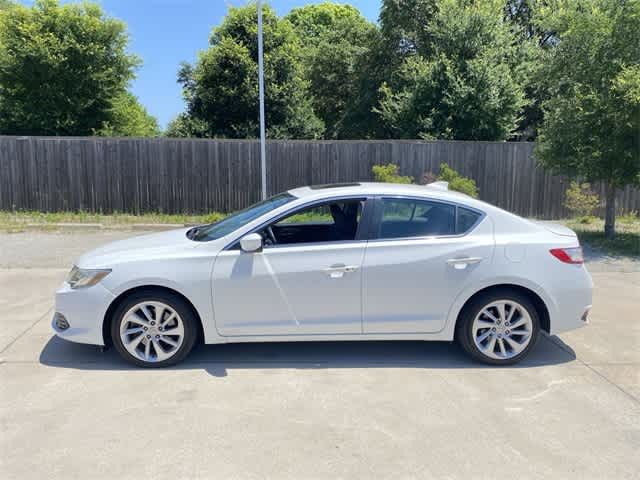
(312, 410)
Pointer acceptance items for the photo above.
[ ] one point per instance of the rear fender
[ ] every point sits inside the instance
(463, 297)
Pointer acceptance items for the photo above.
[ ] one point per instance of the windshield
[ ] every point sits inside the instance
(234, 221)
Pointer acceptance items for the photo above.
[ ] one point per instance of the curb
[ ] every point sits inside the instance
(158, 227)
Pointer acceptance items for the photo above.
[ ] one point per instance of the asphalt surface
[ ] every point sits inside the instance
(312, 410)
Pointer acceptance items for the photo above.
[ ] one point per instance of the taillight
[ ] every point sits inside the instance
(568, 255)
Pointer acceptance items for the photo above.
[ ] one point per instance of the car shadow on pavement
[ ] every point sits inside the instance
(217, 360)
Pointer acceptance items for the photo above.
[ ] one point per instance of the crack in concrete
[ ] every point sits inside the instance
(590, 367)
(10, 344)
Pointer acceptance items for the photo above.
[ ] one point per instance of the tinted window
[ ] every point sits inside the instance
(238, 219)
(328, 222)
(320, 214)
(403, 218)
(466, 219)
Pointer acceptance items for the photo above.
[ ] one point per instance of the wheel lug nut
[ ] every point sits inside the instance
(157, 336)
(145, 329)
(153, 323)
(493, 329)
(508, 332)
(148, 336)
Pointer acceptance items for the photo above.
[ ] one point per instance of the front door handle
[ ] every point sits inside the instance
(338, 270)
(462, 262)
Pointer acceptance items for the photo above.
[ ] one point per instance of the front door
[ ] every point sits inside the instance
(307, 280)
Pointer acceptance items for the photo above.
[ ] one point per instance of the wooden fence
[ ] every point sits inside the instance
(193, 176)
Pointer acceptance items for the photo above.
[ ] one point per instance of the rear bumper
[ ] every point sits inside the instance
(84, 310)
(573, 301)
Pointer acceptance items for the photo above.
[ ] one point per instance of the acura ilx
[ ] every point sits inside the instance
(357, 261)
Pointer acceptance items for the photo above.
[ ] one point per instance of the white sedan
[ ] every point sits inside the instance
(359, 261)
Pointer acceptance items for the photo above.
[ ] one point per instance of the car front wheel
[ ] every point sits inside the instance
(153, 329)
(499, 328)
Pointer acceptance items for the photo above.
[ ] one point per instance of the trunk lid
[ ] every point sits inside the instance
(557, 229)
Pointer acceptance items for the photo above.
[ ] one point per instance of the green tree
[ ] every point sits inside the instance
(62, 68)
(402, 34)
(335, 40)
(184, 125)
(221, 89)
(580, 200)
(457, 182)
(405, 27)
(467, 85)
(389, 174)
(129, 118)
(591, 128)
(522, 13)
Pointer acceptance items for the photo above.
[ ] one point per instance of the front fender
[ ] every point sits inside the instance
(190, 278)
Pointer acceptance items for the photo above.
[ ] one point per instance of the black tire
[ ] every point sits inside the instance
(182, 308)
(464, 325)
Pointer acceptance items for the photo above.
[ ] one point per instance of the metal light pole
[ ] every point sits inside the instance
(263, 152)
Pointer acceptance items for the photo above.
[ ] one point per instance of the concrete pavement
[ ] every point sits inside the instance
(312, 410)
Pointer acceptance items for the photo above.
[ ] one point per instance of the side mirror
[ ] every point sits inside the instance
(251, 243)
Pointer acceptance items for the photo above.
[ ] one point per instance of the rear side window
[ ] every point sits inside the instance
(402, 218)
(466, 219)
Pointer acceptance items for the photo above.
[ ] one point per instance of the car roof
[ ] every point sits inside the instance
(438, 191)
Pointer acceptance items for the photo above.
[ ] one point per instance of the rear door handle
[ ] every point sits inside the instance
(461, 263)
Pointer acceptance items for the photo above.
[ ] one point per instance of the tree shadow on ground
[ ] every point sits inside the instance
(218, 360)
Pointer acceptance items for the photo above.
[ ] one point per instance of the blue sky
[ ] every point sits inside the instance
(166, 32)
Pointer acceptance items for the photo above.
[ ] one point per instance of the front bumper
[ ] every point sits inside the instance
(84, 310)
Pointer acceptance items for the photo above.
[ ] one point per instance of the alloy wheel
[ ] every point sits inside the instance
(152, 331)
(502, 329)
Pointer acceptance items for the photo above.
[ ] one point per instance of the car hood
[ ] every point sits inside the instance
(140, 247)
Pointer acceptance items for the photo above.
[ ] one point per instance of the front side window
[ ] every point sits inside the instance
(233, 222)
(327, 222)
(404, 218)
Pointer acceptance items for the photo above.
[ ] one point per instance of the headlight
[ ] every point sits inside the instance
(85, 277)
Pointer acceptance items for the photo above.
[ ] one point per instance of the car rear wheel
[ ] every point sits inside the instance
(499, 328)
(153, 329)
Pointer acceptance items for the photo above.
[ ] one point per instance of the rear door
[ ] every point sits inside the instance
(421, 255)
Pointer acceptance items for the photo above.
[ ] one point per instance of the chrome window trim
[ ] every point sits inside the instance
(373, 237)
(273, 248)
(364, 223)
